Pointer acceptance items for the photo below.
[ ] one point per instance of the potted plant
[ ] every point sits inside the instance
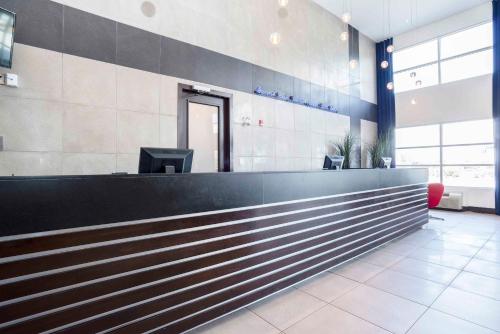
(379, 149)
(345, 148)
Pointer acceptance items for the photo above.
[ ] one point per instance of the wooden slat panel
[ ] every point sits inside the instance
(39, 284)
(76, 257)
(190, 273)
(186, 310)
(218, 311)
(96, 308)
(44, 243)
(40, 304)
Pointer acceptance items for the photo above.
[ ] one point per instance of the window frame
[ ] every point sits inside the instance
(440, 59)
(441, 146)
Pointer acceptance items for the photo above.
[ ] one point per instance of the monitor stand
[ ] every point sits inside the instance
(169, 169)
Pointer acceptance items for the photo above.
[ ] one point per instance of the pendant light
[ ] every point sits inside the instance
(275, 38)
(346, 18)
(283, 3)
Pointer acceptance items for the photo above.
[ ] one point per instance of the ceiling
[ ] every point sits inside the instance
(368, 15)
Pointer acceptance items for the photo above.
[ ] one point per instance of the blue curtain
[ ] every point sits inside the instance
(386, 116)
(496, 99)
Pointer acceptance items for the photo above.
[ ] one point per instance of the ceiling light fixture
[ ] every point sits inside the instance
(283, 3)
(413, 101)
(346, 17)
(275, 38)
(344, 36)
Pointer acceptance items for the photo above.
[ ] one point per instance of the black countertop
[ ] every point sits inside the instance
(42, 203)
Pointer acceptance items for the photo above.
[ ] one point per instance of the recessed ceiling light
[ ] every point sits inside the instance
(346, 17)
(148, 9)
(275, 38)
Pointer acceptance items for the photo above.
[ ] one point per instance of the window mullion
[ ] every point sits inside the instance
(441, 153)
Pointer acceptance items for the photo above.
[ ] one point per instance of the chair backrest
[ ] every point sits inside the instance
(435, 193)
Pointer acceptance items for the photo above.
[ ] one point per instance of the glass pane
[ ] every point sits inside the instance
(468, 40)
(471, 132)
(469, 66)
(203, 137)
(468, 155)
(416, 55)
(469, 176)
(433, 172)
(417, 156)
(418, 136)
(417, 78)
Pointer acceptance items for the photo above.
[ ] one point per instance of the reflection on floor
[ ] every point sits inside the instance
(444, 278)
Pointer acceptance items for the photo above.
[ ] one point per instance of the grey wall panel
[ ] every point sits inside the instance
(137, 48)
(39, 22)
(89, 36)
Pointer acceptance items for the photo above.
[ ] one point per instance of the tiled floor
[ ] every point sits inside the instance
(444, 278)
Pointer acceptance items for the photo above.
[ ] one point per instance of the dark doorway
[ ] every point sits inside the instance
(204, 125)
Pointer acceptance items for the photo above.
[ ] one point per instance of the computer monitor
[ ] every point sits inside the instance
(385, 162)
(165, 160)
(334, 162)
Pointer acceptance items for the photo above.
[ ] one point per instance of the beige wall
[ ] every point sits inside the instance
(310, 47)
(73, 115)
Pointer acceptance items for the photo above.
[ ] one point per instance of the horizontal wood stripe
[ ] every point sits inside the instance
(186, 310)
(63, 317)
(32, 306)
(76, 257)
(44, 283)
(204, 317)
(26, 245)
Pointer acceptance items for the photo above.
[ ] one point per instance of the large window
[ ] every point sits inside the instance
(462, 55)
(457, 154)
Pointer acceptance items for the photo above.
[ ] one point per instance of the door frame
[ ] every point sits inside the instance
(223, 101)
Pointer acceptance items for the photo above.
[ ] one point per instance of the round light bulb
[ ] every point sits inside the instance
(390, 86)
(275, 38)
(283, 3)
(353, 63)
(344, 36)
(390, 48)
(413, 101)
(346, 17)
(384, 64)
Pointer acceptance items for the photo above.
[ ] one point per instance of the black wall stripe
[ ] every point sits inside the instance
(49, 25)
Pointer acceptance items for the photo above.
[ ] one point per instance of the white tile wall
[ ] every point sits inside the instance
(105, 113)
(137, 90)
(39, 72)
(89, 82)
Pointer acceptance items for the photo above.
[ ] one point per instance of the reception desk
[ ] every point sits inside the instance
(167, 253)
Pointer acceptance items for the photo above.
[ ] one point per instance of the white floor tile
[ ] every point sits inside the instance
(358, 270)
(416, 289)
(468, 306)
(327, 286)
(481, 285)
(241, 322)
(286, 308)
(330, 320)
(446, 259)
(486, 268)
(381, 308)
(426, 270)
(435, 322)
